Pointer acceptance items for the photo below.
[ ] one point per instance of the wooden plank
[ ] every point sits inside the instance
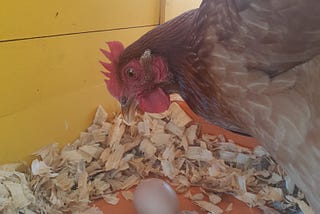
(59, 119)
(36, 18)
(173, 8)
(34, 70)
(50, 88)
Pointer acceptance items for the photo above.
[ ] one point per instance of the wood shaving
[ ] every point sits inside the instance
(15, 194)
(130, 181)
(175, 97)
(10, 167)
(178, 116)
(40, 168)
(112, 199)
(303, 206)
(271, 193)
(128, 195)
(100, 116)
(111, 157)
(199, 154)
(116, 133)
(197, 197)
(147, 148)
(113, 161)
(172, 128)
(229, 207)
(214, 198)
(188, 212)
(90, 210)
(168, 168)
(208, 206)
(191, 134)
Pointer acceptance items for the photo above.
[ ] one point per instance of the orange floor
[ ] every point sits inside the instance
(126, 207)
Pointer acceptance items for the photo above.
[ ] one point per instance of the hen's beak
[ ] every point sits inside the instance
(128, 108)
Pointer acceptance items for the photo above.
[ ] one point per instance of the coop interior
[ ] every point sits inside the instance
(64, 146)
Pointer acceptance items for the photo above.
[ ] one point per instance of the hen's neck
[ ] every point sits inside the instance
(169, 40)
(178, 42)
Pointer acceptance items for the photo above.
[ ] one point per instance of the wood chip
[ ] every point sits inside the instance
(185, 143)
(40, 168)
(72, 156)
(198, 153)
(10, 167)
(172, 128)
(116, 133)
(113, 161)
(191, 134)
(100, 116)
(94, 150)
(271, 194)
(91, 210)
(210, 207)
(112, 199)
(188, 212)
(175, 97)
(85, 138)
(147, 148)
(158, 126)
(169, 153)
(303, 206)
(130, 182)
(197, 197)
(162, 139)
(99, 135)
(229, 208)
(249, 198)
(128, 195)
(15, 193)
(49, 154)
(214, 198)
(178, 116)
(217, 168)
(64, 182)
(168, 168)
(111, 157)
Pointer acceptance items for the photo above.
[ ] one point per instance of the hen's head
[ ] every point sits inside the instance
(136, 82)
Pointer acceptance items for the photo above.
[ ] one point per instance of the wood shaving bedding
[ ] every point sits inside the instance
(111, 157)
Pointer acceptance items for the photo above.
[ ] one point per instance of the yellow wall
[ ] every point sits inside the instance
(172, 8)
(32, 18)
(50, 80)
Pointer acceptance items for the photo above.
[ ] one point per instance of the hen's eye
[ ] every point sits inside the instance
(131, 72)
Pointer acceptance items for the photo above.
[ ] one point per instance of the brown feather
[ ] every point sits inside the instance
(250, 66)
(265, 61)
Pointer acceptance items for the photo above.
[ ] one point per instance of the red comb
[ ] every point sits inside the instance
(116, 48)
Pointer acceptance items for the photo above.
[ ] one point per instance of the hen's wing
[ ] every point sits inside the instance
(274, 35)
(264, 57)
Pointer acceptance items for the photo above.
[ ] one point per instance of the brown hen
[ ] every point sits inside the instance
(248, 66)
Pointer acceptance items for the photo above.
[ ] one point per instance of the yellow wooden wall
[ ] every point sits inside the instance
(172, 8)
(50, 80)
(49, 71)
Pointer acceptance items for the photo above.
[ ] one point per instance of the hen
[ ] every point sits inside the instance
(248, 66)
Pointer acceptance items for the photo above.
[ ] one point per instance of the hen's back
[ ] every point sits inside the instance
(264, 58)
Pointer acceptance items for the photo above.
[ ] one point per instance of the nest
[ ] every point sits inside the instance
(111, 157)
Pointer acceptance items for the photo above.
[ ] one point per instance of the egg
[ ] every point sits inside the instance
(155, 196)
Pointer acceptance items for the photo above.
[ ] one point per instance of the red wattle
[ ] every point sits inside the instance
(155, 102)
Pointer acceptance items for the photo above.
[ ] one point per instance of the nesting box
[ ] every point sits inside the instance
(51, 83)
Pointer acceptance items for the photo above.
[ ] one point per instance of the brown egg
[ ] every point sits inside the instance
(155, 196)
